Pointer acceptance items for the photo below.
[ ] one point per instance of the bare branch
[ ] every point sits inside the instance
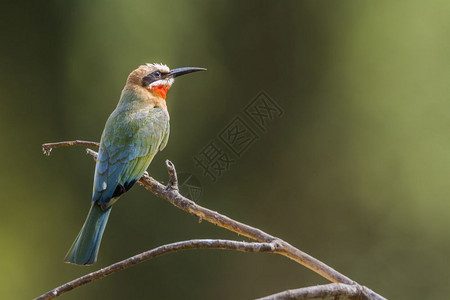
(321, 291)
(283, 248)
(47, 148)
(92, 152)
(165, 249)
(171, 194)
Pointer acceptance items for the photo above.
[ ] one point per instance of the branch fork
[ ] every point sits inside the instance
(341, 286)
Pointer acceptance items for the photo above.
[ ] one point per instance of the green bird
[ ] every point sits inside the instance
(135, 131)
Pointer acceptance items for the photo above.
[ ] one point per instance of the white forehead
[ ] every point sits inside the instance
(161, 67)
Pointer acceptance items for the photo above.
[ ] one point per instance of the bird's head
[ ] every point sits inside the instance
(157, 78)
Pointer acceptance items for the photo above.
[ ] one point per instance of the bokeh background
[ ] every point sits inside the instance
(356, 172)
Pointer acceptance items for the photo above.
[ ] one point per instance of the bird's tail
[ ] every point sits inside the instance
(85, 248)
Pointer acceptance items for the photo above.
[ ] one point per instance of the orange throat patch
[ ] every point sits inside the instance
(160, 90)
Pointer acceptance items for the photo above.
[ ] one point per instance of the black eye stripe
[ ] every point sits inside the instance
(152, 77)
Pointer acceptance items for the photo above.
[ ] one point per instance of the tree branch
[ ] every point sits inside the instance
(321, 291)
(165, 249)
(47, 148)
(283, 248)
(171, 193)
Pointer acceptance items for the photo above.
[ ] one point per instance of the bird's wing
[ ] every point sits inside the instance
(166, 137)
(127, 147)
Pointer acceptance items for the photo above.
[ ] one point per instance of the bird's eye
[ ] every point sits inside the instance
(157, 74)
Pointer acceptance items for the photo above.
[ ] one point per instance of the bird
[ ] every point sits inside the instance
(135, 131)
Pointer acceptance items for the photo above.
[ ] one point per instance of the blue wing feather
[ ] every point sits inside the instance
(126, 151)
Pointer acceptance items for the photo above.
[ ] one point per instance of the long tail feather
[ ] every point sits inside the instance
(84, 250)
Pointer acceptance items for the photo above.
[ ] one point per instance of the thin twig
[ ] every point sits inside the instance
(320, 291)
(165, 249)
(47, 148)
(171, 193)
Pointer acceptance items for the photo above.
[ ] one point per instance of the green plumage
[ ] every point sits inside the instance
(133, 134)
(84, 249)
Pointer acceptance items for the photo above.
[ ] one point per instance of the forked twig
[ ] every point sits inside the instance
(171, 193)
(165, 249)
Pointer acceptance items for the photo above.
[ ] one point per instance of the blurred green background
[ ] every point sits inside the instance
(356, 172)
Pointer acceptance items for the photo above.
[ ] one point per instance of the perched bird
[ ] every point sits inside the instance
(135, 131)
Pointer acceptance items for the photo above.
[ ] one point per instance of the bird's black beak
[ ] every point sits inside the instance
(181, 71)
